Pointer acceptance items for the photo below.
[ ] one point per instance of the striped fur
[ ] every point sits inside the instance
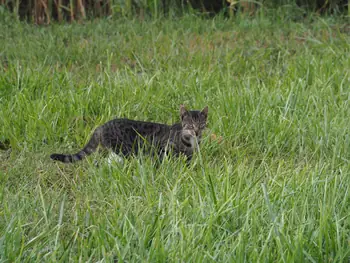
(127, 137)
(89, 148)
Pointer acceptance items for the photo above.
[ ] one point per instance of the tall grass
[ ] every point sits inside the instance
(275, 189)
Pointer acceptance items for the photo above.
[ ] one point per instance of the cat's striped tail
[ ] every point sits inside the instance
(89, 148)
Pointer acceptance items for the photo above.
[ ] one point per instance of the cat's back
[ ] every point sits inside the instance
(142, 127)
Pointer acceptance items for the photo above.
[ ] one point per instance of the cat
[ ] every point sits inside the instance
(128, 137)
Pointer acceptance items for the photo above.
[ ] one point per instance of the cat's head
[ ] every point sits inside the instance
(193, 122)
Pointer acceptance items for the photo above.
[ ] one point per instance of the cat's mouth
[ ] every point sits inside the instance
(189, 133)
(189, 138)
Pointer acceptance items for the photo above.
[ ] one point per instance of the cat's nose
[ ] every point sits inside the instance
(197, 132)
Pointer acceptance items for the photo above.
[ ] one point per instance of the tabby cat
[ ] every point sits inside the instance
(130, 136)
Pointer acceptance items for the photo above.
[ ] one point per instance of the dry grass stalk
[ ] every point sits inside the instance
(81, 8)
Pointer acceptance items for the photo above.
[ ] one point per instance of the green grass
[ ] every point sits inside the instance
(275, 190)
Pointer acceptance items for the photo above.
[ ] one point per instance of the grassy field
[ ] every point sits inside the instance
(275, 189)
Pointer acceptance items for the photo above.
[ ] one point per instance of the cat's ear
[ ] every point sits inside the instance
(205, 111)
(183, 111)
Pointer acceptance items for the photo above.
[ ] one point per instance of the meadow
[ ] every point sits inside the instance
(274, 189)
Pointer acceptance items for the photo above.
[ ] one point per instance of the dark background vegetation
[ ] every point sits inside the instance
(44, 11)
